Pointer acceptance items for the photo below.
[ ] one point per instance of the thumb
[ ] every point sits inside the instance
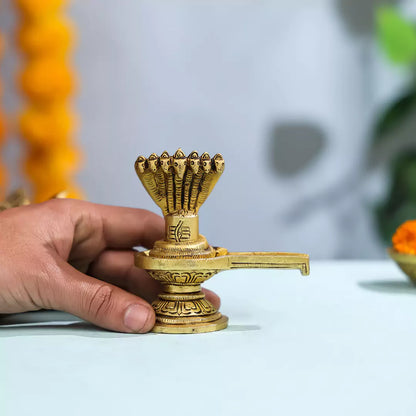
(98, 302)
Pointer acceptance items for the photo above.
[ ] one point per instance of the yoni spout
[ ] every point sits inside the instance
(269, 260)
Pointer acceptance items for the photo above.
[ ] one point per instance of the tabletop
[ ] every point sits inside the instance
(340, 342)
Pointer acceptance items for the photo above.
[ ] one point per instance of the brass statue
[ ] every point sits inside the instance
(183, 260)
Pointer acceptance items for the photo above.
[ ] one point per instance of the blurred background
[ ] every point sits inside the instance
(311, 103)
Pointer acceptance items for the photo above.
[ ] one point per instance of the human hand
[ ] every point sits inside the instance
(76, 256)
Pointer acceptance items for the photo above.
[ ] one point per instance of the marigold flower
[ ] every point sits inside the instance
(2, 128)
(48, 166)
(52, 36)
(404, 239)
(3, 180)
(47, 126)
(45, 37)
(46, 193)
(47, 80)
(39, 8)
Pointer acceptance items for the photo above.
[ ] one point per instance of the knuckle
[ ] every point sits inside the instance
(101, 301)
(57, 205)
(63, 206)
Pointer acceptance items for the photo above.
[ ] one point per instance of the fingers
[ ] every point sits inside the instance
(129, 227)
(117, 267)
(110, 226)
(212, 297)
(101, 303)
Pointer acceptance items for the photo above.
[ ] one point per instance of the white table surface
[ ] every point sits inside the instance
(341, 342)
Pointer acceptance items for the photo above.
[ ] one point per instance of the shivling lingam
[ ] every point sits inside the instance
(183, 260)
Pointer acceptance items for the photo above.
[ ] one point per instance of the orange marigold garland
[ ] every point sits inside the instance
(404, 239)
(47, 124)
(3, 173)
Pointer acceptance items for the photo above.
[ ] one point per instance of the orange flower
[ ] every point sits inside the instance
(3, 180)
(39, 8)
(2, 128)
(47, 36)
(45, 193)
(47, 80)
(404, 239)
(51, 165)
(47, 126)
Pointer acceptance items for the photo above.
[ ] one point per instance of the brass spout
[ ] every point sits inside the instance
(225, 261)
(183, 260)
(269, 260)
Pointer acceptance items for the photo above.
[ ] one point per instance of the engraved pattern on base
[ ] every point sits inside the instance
(181, 308)
(182, 277)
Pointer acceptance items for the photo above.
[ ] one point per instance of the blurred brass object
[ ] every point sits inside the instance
(15, 199)
(183, 260)
(19, 198)
(407, 262)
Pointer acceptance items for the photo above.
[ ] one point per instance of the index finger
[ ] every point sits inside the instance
(109, 226)
(130, 227)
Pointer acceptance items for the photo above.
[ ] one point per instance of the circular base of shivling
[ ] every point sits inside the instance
(195, 328)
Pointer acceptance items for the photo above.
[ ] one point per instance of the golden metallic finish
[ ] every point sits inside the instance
(19, 198)
(216, 325)
(183, 260)
(15, 199)
(407, 262)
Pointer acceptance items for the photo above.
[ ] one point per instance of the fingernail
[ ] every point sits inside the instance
(135, 317)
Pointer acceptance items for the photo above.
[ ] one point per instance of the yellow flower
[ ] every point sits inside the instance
(46, 193)
(39, 8)
(404, 239)
(52, 36)
(51, 165)
(47, 80)
(2, 128)
(45, 37)
(47, 126)
(3, 179)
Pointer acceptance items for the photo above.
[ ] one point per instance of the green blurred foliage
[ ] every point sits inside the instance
(394, 116)
(400, 205)
(397, 38)
(396, 35)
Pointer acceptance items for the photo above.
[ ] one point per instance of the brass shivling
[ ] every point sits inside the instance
(183, 260)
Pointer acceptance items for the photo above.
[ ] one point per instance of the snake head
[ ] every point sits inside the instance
(179, 163)
(153, 162)
(206, 162)
(218, 163)
(194, 162)
(165, 161)
(140, 165)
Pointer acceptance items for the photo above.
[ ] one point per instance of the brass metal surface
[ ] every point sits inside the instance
(196, 328)
(19, 198)
(183, 260)
(15, 199)
(407, 262)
